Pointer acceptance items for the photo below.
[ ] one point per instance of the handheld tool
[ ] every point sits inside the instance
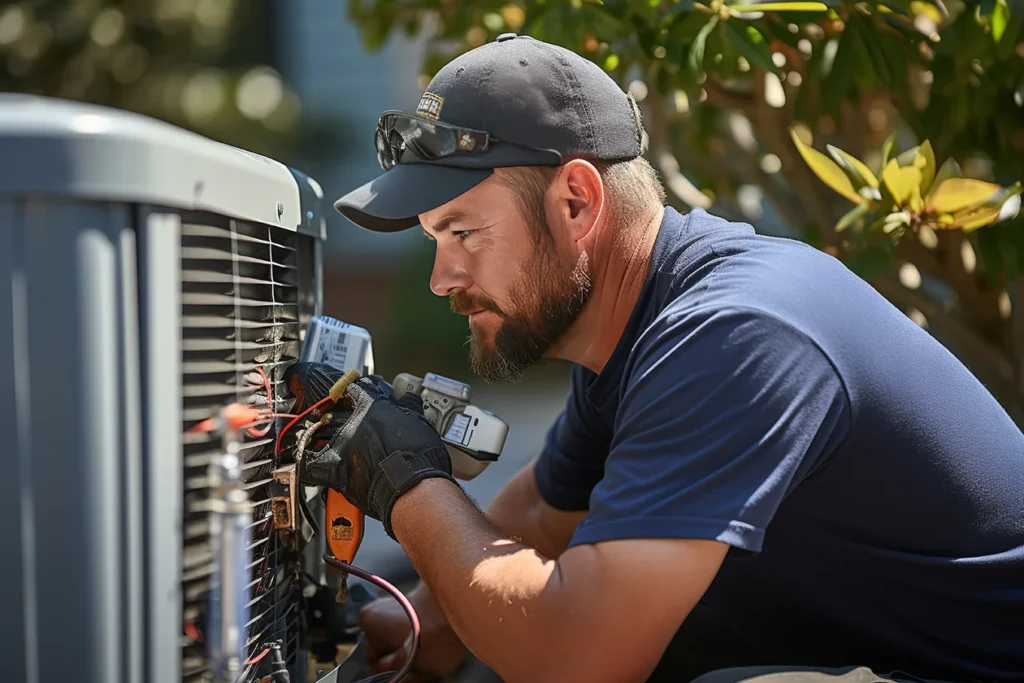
(473, 436)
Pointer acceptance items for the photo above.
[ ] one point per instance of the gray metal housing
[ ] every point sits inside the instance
(90, 376)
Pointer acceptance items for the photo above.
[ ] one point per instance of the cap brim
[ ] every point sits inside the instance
(394, 200)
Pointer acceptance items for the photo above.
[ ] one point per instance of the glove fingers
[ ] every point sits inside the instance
(323, 468)
(368, 389)
(310, 382)
(411, 401)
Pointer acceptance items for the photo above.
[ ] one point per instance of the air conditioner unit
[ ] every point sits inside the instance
(145, 274)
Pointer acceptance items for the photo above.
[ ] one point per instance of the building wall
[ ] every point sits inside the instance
(340, 83)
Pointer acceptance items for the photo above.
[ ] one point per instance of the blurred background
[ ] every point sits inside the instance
(735, 99)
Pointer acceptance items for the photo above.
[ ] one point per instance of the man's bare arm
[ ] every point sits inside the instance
(519, 512)
(532, 618)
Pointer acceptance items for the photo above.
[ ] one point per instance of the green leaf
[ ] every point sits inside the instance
(751, 44)
(859, 174)
(871, 261)
(865, 65)
(836, 86)
(1005, 47)
(852, 216)
(906, 158)
(1000, 18)
(887, 147)
(949, 169)
(781, 7)
(681, 7)
(696, 56)
(689, 25)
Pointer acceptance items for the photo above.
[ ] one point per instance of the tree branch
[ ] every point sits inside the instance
(719, 96)
(770, 125)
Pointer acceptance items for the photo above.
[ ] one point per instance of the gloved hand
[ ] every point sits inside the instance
(379, 449)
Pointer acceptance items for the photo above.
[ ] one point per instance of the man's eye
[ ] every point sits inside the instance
(462, 234)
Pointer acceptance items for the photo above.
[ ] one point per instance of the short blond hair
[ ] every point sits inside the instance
(632, 188)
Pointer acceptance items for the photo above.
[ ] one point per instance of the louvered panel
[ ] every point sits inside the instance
(246, 294)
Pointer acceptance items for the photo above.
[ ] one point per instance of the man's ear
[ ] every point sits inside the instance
(581, 197)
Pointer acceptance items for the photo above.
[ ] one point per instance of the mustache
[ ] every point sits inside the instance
(463, 303)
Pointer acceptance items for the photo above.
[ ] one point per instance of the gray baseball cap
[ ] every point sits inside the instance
(516, 101)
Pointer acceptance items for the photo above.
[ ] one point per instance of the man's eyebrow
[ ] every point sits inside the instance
(446, 222)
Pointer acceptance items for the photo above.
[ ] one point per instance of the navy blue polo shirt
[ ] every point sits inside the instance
(871, 489)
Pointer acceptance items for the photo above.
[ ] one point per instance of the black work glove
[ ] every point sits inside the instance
(378, 448)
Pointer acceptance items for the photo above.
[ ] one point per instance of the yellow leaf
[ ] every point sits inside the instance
(926, 162)
(915, 202)
(862, 175)
(926, 9)
(826, 169)
(780, 7)
(901, 181)
(954, 195)
(972, 220)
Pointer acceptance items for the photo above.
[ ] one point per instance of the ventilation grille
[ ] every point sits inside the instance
(246, 294)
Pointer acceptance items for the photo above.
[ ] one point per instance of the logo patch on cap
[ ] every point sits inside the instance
(430, 106)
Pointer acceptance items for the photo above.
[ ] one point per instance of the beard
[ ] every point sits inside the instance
(546, 299)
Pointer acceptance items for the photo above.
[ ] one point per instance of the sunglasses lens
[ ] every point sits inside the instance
(405, 137)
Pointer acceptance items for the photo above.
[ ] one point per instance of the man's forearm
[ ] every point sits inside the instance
(519, 512)
(504, 599)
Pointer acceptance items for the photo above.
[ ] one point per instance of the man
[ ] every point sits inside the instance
(761, 462)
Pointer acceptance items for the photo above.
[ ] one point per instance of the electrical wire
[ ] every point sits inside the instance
(307, 513)
(410, 611)
(255, 417)
(307, 411)
(257, 658)
(270, 403)
(336, 392)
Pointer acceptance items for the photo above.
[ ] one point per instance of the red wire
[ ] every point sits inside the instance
(410, 611)
(270, 402)
(277, 446)
(210, 423)
(191, 631)
(257, 658)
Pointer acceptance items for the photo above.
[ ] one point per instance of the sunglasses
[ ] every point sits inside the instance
(404, 138)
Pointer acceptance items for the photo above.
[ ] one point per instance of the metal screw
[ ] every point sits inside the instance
(280, 209)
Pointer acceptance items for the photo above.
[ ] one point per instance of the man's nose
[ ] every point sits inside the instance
(448, 274)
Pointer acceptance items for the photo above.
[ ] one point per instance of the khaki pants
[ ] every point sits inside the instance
(784, 674)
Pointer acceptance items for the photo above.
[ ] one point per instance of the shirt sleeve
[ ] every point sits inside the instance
(572, 460)
(722, 414)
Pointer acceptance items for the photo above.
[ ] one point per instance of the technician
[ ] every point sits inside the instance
(761, 462)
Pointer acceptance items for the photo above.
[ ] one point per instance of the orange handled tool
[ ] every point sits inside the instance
(344, 525)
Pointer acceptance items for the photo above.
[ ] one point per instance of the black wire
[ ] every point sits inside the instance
(410, 611)
(304, 507)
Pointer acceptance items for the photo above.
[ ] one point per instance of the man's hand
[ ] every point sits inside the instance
(386, 628)
(377, 448)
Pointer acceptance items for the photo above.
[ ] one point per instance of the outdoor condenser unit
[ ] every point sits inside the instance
(145, 273)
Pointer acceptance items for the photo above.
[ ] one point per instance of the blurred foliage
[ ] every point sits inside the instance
(199, 64)
(909, 192)
(728, 90)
